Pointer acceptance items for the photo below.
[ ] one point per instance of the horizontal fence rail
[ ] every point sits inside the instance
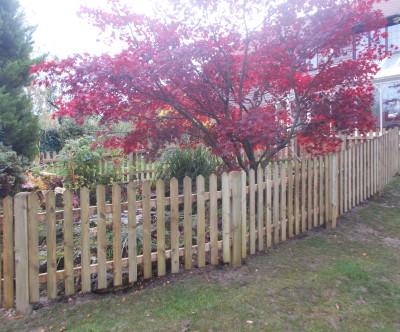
(141, 230)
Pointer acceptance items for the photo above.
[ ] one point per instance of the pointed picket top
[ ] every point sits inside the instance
(199, 178)
(252, 172)
(115, 187)
(173, 182)
(7, 199)
(67, 192)
(50, 194)
(187, 180)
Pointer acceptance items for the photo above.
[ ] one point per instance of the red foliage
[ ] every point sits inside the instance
(206, 71)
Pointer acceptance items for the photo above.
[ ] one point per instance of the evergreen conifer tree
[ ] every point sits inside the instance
(20, 129)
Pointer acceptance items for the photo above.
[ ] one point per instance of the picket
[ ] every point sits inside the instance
(51, 245)
(132, 232)
(297, 217)
(283, 209)
(101, 236)
(69, 244)
(174, 224)
(117, 238)
(85, 238)
(8, 252)
(321, 191)
(22, 302)
(201, 222)
(33, 247)
(310, 167)
(290, 199)
(244, 213)
(303, 196)
(276, 203)
(213, 219)
(236, 257)
(260, 209)
(187, 221)
(146, 227)
(252, 208)
(268, 206)
(315, 193)
(160, 196)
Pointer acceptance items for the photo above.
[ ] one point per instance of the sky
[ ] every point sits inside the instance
(61, 32)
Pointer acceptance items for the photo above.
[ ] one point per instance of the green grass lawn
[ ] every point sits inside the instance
(344, 279)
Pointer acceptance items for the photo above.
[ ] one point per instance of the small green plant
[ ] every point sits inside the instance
(179, 163)
(12, 169)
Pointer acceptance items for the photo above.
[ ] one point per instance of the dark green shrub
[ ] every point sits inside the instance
(178, 163)
(12, 169)
(49, 140)
(70, 130)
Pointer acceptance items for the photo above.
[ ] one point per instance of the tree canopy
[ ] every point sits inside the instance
(234, 75)
(19, 126)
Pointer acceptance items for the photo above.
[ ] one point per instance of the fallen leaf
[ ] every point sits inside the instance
(62, 329)
(42, 330)
(123, 300)
(16, 317)
(70, 300)
(249, 321)
(88, 315)
(337, 307)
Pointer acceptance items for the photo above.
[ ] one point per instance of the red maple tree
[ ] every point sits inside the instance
(233, 75)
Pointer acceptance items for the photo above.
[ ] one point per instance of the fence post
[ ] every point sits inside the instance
(334, 191)
(21, 254)
(236, 219)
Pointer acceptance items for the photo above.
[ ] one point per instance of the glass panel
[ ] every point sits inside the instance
(375, 107)
(314, 62)
(394, 36)
(391, 105)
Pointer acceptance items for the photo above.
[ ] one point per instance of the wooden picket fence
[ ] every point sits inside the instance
(256, 211)
(138, 166)
(134, 166)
